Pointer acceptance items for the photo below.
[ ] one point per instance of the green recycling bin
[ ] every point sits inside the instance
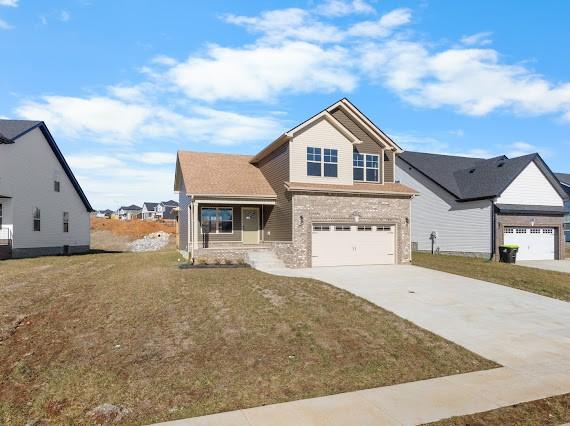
(508, 253)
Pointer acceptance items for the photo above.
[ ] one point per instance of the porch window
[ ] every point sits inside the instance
(65, 221)
(366, 167)
(313, 161)
(217, 220)
(37, 221)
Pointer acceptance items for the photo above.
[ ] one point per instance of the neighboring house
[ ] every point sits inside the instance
(149, 211)
(564, 179)
(474, 205)
(104, 213)
(129, 212)
(167, 210)
(43, 210)
(321, 194)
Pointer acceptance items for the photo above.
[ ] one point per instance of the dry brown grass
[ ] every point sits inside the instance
(544, 412)
(134, 330)
(131, 228)
(540, 281)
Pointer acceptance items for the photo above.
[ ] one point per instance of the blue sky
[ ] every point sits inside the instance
(123, 85)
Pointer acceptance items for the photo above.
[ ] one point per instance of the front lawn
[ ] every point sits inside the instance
(552, 411)
(546, 283)
(135, 331)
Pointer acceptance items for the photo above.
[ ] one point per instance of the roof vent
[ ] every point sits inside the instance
(501, 164)
(472, 171)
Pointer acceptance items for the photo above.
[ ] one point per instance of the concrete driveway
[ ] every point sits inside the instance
(528, 334)
(550, 265)
(506, 325)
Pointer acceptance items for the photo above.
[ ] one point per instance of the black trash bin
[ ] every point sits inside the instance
(508, 253)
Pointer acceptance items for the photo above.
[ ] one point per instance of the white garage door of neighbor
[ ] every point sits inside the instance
(342, 244)
(534, 243)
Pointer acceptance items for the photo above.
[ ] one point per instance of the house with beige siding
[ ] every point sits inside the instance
(43, 210)
(474, 205)
(321, 194)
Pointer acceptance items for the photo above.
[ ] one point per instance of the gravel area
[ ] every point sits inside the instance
(151, 242)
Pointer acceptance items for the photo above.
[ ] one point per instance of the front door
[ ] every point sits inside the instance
(250, 220)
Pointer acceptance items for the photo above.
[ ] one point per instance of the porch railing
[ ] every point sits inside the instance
(5, 236)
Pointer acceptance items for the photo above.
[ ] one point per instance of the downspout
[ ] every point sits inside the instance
(190, 242)
(493, 231)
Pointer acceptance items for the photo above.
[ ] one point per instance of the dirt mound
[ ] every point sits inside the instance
(133, 229)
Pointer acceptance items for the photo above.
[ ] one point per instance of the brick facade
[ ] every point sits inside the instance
(343, 208)
(556, 222)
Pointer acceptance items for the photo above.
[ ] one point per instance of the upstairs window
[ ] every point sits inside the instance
(313, 161)
(37, 221)
(65, 221)
(366, 167)
(331, 162)
(56, 186)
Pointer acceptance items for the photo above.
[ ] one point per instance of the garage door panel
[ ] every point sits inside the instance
(343, 244)
(534, 243)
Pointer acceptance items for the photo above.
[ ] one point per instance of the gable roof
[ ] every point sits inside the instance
(131, 207)
(326, 114)
(149, 206)
(205, 173)
(169, 203)
(11, 130)
(564, 178)
(468, 178)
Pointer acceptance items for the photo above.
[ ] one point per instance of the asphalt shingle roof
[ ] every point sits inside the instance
(563, 177)
(470, 178)
(11, 129)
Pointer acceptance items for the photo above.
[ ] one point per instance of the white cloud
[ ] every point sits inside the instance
(478, 39)
(164, 60)
(260, 73)
(4, 25)
(9, 3)
(282, 24)
(74, 117)
(473, 81)
(335, 8)
(64, 16)
(382, 27)
(93, 162)
(156, 158)
(457, 132)
(113, 121)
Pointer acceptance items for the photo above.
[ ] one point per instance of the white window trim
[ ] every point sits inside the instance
(365, 168)
(217, 207)
(64, 222)
(323, 162)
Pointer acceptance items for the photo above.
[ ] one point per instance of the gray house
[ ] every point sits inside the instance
(474, 205)
(564, 179)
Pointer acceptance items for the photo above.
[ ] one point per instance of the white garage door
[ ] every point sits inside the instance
(341, 244)
(534, 243)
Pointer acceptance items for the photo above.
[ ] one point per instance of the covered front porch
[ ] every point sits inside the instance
(227, 227)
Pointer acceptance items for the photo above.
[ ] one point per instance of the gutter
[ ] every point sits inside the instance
(493, 230)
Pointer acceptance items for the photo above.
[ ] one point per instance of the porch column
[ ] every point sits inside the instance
(195, 228)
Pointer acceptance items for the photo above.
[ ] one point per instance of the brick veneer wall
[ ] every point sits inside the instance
(341, 208)
(555, 222)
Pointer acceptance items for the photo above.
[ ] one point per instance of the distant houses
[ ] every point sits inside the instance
(164, 211)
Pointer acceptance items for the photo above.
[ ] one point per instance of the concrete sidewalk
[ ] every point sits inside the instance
(549, 265)
(526, 333)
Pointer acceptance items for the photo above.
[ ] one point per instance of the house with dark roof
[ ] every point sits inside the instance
(129, 212)
(167, 210)
(321, 194)
(43, 210)
(564, 179)
(474, 205)
(149, 210)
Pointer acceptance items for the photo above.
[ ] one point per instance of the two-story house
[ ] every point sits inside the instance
(321, 194)
(166, 210)
(564, 179)
(129, 212)
(149, 210)
(43, 210)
